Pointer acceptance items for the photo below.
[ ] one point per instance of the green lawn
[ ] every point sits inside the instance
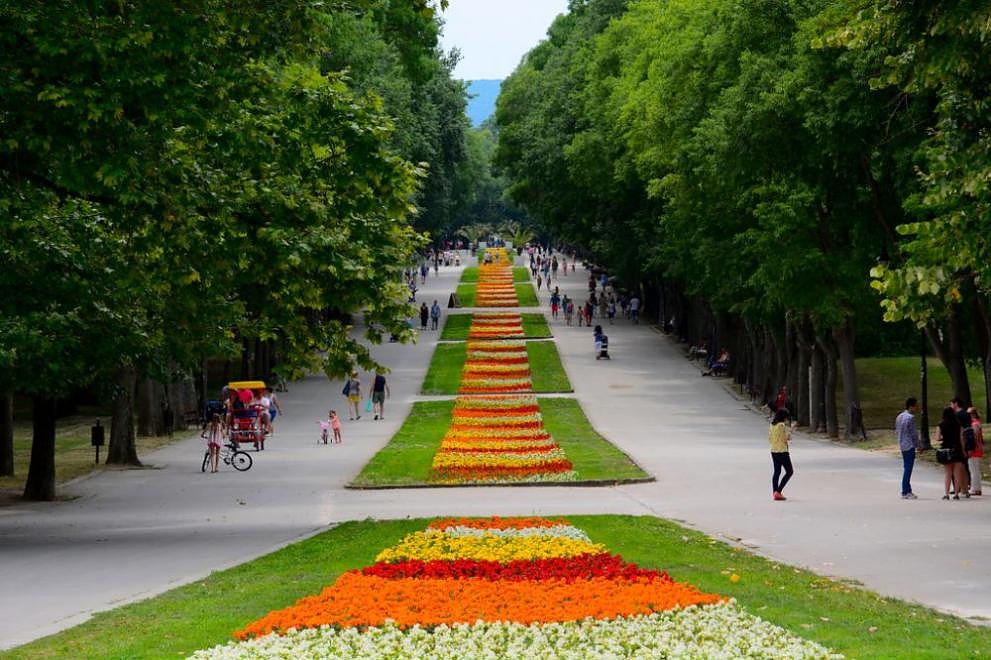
(444, 374)
(469, 274)
(546, 370)
(594, 457)
(521, 274)
(456, 327)
(848, 619)
(527, 295)
(406, 460)
(885, 383)
(535, 326)
(466, 295)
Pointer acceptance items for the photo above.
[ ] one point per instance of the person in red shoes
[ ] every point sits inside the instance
(779, 436)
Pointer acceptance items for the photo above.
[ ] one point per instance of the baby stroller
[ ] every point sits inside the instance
(602, 347)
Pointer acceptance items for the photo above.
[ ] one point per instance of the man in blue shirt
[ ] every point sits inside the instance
(909, 443)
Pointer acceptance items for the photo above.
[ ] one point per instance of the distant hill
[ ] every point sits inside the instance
(482, 99)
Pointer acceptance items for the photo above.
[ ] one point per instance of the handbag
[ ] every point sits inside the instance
(944, 455)
(368, 405)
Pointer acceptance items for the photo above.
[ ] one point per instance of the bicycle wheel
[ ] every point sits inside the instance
(206, 459)
(241, 460)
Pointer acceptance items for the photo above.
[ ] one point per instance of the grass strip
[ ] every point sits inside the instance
(527, 295)
(521, 274)
(594, 457)
(469, 274)
(546, 370)
(466, 295)
(444, 373)
(407, 459)
(535, 326)
(848, 619)
(456, 327)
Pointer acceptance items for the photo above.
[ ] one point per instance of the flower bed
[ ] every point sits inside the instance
(495, 326)
(492, 371)
(510, 588)
(495, 286)
(496, 439)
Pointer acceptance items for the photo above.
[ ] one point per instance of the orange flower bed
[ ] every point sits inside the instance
(361, 600)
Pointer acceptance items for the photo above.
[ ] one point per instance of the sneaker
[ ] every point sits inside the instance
(376, 416)
(956, 497)
(966, 496)
(909, 496)
(976, 492)
(946, 497)
(778, 497)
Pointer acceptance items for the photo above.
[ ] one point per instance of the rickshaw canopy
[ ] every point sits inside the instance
(247, 385)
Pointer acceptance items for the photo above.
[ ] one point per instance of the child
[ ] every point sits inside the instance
(213, 434)
(335, 423)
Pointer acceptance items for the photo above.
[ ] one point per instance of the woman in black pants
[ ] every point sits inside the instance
(778, 436)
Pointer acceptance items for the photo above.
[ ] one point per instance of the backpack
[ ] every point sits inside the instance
(347, 387)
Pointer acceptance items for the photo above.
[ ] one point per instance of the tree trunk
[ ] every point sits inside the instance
(984, 334)
(803, 359)
(6, 434)
(151, 420)
(767, 388)
(829, 387)
(123, 449)
(949, 350)
(817, 394)
(844, 336)
(40, 486)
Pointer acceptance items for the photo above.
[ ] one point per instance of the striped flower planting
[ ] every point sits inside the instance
(492, 369)
(495, 286)
(510, 588)
(499, 439)
(495, 325)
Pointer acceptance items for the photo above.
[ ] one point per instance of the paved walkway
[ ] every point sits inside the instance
(135, 533)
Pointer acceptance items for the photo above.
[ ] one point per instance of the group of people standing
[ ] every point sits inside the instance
(960, 451)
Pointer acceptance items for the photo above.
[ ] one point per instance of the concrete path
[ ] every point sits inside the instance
(135, 533)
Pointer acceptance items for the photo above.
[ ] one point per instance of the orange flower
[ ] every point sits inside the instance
(361, 600)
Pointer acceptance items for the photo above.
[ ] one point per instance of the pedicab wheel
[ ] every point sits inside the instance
(241, 461)
(206, 459)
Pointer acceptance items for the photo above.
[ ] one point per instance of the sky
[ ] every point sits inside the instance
(493, 35)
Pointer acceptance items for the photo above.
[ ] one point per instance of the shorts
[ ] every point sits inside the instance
(378, 397)
(354, 398)
(272, 413)
(213, 445)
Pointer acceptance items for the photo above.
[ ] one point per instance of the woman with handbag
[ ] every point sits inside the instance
(951, 454)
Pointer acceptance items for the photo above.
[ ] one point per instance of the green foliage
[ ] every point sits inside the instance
(444, 374)
(408, 458)
(526, 294)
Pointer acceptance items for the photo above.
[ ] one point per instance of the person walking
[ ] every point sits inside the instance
(352, 390)
(214, 436)
(967, 438)
(434, 315)
(380, 390)
(974, 457)
(909, 443)
(635, 310)
(424, 315)
(778, 436)
(951, 440)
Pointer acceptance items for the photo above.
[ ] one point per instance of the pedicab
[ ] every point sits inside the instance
(246, 424)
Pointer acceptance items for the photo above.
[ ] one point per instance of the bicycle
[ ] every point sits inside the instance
(230, 455)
